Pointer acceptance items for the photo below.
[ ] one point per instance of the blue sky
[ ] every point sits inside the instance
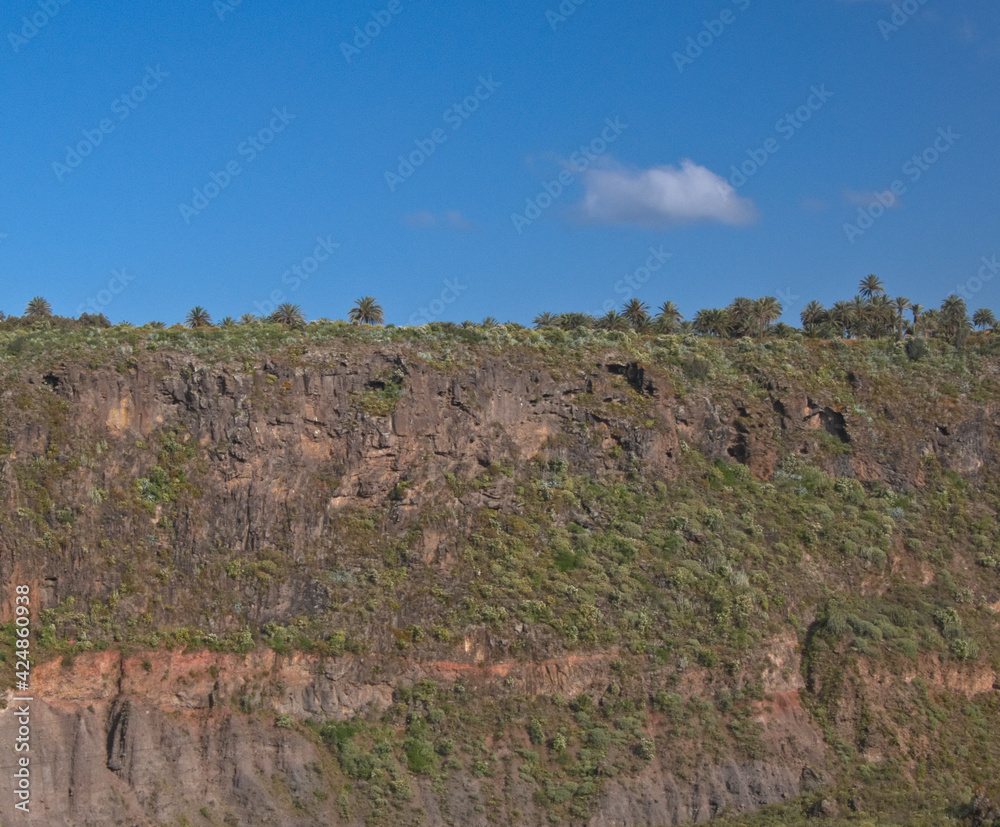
(463, 160)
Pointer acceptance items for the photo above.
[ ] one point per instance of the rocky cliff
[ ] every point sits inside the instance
(441, 581)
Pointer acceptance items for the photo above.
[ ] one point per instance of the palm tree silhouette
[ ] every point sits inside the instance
(38, 308)
(871, 285)
(901, 305)
(289, 314)
(813, 314)
(366, 311)
(930, 321)
(742, 318)
(955, 319)
(766, 311)
(843, 316)
(670, 317)
(881, 317)
(862, 313)
(613, 320)
(571, 321)
(198, 317)
(637, 313)
(712, 321)
(983, 319)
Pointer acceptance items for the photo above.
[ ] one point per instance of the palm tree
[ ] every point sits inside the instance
(843, 318)
(198, 317)
(289, 314)
(713, 321)
(366, 311)
(543, 320)
(813, 315)
(901, 304)
(742, 320)
(916, 310)
(613, 320)
(955, 319)
(766, 311)
(489, 322)
(954, 308)
(862, 313)
(983, 319)
(881, 317)
(871, 286)
(571, 321)
(930, 322)
(248, 318)
(637, 313)
(38, 308)
(156, 325)
(228, 321)
(670, 317)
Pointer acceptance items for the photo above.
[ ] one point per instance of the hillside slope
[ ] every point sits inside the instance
(476, 577)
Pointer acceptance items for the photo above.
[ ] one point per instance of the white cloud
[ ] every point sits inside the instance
(663, 196)
(450, 219)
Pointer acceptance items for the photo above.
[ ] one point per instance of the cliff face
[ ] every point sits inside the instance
(214, 546)
(283, 450)
(149, 738)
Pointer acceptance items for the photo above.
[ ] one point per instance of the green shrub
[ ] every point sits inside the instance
(420, 755)
(695, 368)
(948, 622)
(670, 703)
(916, 349)
(599, 739)
(963, 648)
(535, 732)
(645, 749)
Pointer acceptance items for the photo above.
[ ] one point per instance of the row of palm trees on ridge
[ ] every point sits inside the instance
(870, 314)
(366, 310)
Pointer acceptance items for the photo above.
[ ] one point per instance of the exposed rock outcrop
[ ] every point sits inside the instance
(232, 488)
